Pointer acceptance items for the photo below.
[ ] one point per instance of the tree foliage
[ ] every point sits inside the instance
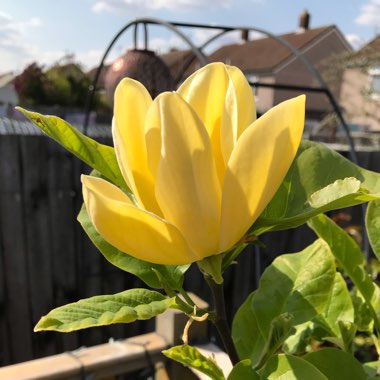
(63, 84)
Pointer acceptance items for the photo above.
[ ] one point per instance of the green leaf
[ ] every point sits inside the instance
(298, 341)
(173, 274)
(230, 256)
(349, 258)
(280, 329)
(287, 367)
(313, 179)
(347, 332)
(373, 226)
(243, 371)
(336, 364)
(191, 357)
(298, 284)
(338, 308)
(124, 307)
(335, 191)
(364, 315)
(99, 156)
(371, 369)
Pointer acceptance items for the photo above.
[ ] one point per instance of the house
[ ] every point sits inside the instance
(360, 88)
(8, 94)
(266, 61)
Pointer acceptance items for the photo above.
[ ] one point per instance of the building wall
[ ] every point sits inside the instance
(264, 95)
(8, 95)
(358, 106)
(296, 73)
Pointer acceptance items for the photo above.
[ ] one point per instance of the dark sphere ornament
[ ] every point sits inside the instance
(142, 65)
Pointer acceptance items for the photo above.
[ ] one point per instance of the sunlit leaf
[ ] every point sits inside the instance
(347, 332)
(191, 357)
(321, 177)
(297, 342)
(373, 226)
(298, 284)
(349, 258)
(124, 307)
(338, 308)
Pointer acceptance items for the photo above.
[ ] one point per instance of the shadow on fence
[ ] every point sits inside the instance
(46, 260)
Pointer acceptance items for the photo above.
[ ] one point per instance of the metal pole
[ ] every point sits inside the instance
(90, 98)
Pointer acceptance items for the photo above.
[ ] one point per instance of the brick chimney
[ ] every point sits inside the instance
(304, 20)
(245, 35)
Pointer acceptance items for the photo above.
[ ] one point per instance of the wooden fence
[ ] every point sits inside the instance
(46, 260)
(137, 357)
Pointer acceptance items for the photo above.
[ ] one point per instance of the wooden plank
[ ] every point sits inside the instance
(110, 359)
(4, 331)
(62, 222)
(12, 236)
(89, 262)
(34, 158)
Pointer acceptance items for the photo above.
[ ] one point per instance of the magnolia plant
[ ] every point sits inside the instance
(192, 179)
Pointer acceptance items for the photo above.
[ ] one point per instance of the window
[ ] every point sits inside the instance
(374, 82)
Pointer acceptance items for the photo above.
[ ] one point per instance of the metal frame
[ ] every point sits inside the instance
(198, 53)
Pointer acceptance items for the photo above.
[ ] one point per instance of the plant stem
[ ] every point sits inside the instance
(186, 297)
(220, 320)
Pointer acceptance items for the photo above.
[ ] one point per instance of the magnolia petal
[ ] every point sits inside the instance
(205, 91)
(187, 187)
(239, 112)
(131, 105)
(137, 232)
(153, 138)
(257, 166)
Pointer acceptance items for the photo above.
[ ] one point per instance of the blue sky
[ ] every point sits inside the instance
(44, 30)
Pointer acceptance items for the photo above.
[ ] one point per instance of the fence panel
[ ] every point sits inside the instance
(47, 260)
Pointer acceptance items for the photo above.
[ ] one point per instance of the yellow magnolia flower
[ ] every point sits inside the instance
(200, 166)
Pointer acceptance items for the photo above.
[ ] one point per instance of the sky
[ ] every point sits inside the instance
(44, 31)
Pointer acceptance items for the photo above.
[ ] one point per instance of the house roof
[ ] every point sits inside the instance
(178, 61)
(374, 44)
(6, 78)
(265, 54)
(366, 55)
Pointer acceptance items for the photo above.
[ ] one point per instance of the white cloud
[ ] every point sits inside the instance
(91, 58)
(117, 6)
(13, 45)
(369, 14)
(355, 41)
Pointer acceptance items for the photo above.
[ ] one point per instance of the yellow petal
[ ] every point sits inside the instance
(205, 91)
(153, 138)
(258, 165)
(132, 101)
(187, 187)
(239, 112)
(130, 229)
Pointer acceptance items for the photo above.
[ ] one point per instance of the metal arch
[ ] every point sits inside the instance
(191, 58)
(136, 33)
(90, 98)
(298, 54)
(198, 52)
